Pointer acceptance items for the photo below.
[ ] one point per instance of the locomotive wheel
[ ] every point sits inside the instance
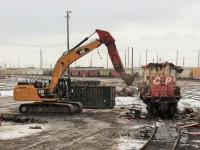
(175, 107)
(154, 110)
(171, 110)
(150, 109)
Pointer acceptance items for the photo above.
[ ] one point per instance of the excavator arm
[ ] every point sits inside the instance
(77, 52)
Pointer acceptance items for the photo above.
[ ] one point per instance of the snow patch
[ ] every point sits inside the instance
(127, 143)
(12, 131)
(6, 93)
(188, 103)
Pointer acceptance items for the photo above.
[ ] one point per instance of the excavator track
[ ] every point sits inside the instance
(47, 107)
(78, 107)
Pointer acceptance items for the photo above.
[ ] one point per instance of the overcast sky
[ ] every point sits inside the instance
(162, 27)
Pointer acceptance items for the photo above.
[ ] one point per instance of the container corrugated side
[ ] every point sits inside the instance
(94, 96)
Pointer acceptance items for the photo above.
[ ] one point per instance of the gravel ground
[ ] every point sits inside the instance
(93, 129)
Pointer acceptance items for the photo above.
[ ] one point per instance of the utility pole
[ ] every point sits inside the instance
(132, 62)
(140, 61)
(68, 36)
(125, 58)
(146, 57)
(128, 57)
(183, 61)
(18, 63)
(91, 61)
(107, 60)
(41, 59)
(157, 56)
(198, 56)
(176, 58)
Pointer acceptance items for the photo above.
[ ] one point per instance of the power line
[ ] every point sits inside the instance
(23, 53)
(31, 45)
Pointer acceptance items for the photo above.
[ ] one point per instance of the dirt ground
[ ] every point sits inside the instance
(93, 129)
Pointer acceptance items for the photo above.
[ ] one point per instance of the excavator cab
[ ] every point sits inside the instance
(63, 88)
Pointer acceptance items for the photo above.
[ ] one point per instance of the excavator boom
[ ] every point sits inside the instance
(77, 52)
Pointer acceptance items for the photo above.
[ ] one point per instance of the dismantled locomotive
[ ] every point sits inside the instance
(159, 89)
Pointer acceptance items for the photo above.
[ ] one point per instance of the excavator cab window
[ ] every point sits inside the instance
(38, 84)
(62, 88)
(22, 83)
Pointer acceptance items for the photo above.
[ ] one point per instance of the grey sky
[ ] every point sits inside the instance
(155, 25)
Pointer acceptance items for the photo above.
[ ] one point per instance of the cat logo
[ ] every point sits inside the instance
(82, 51)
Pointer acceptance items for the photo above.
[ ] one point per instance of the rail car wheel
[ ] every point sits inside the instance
(150, 109)
(175, 107)
(23, 108)
(154, 109)
(171, 110)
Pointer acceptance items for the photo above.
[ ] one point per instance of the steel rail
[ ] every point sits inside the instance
(154, 132)
(178, 135)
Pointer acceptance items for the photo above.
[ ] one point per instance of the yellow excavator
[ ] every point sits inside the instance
(53, 97)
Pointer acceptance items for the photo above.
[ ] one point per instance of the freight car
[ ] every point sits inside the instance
(159, 90)
(95, 73)
(104, 73)
(83, 73)
(75, 72)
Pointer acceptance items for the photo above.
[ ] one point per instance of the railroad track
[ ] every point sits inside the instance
(165, 136)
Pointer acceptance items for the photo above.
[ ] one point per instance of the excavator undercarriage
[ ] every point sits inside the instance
(51, 107)
(46, 102)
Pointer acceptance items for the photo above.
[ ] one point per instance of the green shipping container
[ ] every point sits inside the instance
(94, 96)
